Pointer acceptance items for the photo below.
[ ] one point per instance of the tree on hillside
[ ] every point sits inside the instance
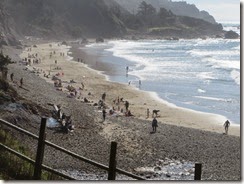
(164, 13)
(147, 13)
(4, 61)
(165, 16)
(145, 9)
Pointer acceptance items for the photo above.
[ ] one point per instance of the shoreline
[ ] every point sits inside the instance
(94, 78)
(117, 76)
(218, 119)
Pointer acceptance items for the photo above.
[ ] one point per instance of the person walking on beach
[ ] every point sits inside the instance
(103, 96)
(148, 112)
(154, 125)
(21, 82)
(126, 105)
(127, 69)
(226, 125)
(104, 114)
(12, 77)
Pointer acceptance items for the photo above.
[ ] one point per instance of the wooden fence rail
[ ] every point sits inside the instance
(94, 163)
(33, 162)
(40, 153)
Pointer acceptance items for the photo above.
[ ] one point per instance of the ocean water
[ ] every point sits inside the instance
(202, 75)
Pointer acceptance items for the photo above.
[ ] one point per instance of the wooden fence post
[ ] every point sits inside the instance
(112, 162)
(40, 150)
(198, 171)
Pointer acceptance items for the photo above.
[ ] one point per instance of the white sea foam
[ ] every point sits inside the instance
(69, 58)
(206, 75)
(236, 76)
(201, 91)
(213, 98)
(204, 53)
(183, 65)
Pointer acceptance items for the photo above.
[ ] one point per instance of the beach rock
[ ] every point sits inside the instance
(157, 169)
(99, 40)
(148, 176)
(168, 175)
(231, 35)
(84, 41)
(64, 43)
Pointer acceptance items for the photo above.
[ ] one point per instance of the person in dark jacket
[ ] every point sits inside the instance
(154, 124)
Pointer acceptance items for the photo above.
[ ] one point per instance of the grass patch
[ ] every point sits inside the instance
(14, 168)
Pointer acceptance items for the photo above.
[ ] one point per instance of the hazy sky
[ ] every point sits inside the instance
(222, 10)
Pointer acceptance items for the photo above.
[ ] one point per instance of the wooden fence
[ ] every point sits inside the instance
(38, 166)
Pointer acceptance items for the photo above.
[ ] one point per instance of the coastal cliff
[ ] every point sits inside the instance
(181, 8)
(58, 19)
(6, 33)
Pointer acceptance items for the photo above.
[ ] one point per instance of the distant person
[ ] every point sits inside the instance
(139, 83)
(59, 113)
(226, 125)
(12, 77)
(103, 96)
(21, 82)
(148, 112)
(154, 124)
(63, 116)
(126, 105)
(104, 114)
(127, 69)
(129, 113)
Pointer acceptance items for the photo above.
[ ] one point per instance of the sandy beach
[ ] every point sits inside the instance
(180, 136)
(96, 84)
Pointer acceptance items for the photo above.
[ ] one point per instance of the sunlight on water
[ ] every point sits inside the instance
(186, 68)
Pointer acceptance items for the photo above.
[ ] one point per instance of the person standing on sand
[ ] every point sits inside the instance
(226, 125)
(104, 114)
(12, 77)
(126, 105)
(127, 69)
(154, 124)
(148, 112)
(103, 96)
(21, 82)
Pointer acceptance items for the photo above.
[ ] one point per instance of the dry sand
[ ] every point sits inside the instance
(96, 84)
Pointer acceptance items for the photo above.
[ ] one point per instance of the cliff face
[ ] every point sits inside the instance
(65, 19)
(6, 33)
(58, 18)
(180, 8)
